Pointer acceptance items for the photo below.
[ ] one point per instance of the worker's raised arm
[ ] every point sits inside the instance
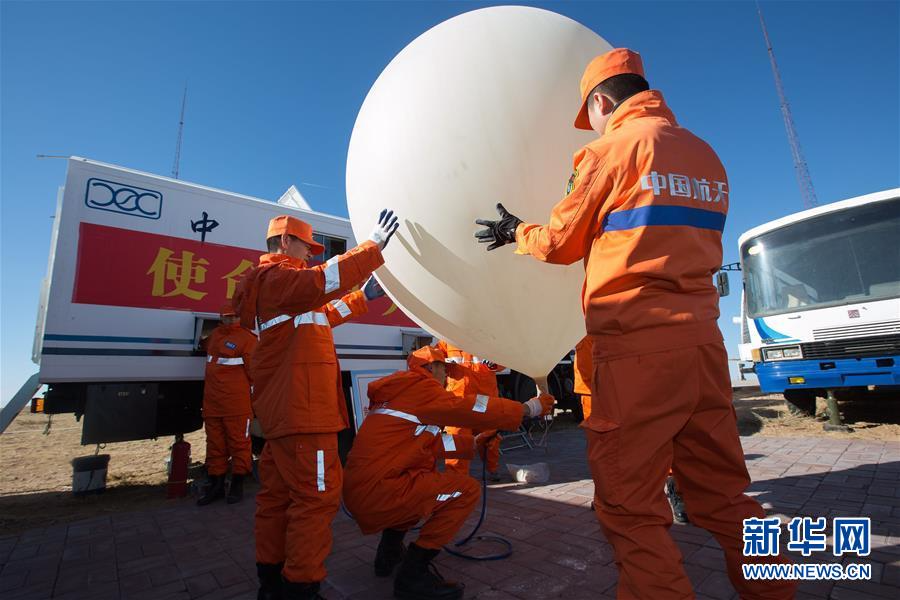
(309, 289)
(299, 289)
(303, 290)
(574, 221)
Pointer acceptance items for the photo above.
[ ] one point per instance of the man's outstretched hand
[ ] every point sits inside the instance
(498, 233)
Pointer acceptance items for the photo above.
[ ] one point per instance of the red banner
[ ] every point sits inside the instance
(120, 267)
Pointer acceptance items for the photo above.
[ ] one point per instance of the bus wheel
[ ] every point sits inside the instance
(800, 403)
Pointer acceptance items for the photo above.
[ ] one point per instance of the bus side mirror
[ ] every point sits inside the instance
(722, 283)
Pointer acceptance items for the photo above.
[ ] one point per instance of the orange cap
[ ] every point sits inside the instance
(425, 356)
(615, 62)
(295, 227)
(227, 310)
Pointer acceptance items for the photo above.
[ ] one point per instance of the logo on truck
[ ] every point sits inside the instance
(124, 199)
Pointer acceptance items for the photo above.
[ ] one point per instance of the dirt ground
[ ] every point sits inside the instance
(36, 477)
(869, 418)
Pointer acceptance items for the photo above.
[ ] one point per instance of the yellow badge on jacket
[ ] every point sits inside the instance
(571, 185)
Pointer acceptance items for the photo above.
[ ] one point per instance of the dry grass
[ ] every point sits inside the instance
(36, 479)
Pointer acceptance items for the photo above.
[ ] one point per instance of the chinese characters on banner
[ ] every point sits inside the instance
(120, 267)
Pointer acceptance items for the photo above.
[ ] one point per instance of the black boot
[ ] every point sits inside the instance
(676, 502)
(215, 489)
(235, 490)
(390, 552)
(418, 579)
(300, 591)
(269, 581)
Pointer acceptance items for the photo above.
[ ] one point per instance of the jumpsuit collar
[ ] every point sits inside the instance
(271, 259)
(649, 103)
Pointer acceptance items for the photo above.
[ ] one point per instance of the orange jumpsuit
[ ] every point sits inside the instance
(646, 210)
(226, 399)
(299, 401)
(391, 479)
(583, 371)
(467, 375)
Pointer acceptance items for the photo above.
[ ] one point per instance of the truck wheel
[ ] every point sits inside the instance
(800, 403)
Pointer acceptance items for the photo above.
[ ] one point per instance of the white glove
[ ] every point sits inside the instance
(386, 227)
(533, 408)
(539, 405)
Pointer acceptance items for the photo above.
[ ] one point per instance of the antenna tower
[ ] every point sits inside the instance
(180, 132)
(800, 168)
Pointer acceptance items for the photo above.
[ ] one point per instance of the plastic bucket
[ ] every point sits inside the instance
(89, 474)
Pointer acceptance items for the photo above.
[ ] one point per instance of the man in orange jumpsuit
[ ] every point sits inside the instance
(645, 210)
(468, 375)
(298, 398)
(226, 407)
(391, 478)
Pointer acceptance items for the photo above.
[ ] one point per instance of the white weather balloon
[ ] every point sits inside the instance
(475, 111)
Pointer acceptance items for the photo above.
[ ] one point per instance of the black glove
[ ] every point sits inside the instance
(372, 289)
(498, 233)
(489, 364)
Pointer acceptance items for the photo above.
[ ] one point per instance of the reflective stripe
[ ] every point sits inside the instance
(230, 361)
(311, 318)
(396, 413)
(320, 470)
(664, 215)
(432, 429)
(449, 444)
(247, 431)
(457, 360)
(273, 322)
(332, 275)
(445, 497)
(341, 307)
(481, 402)
(307, 318)
(225, 361)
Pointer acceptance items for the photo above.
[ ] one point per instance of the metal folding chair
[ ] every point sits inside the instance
(519, 439)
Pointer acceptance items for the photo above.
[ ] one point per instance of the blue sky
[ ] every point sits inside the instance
(274, 89)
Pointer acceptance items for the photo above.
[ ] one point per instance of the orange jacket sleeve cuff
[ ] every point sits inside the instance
(344, 309)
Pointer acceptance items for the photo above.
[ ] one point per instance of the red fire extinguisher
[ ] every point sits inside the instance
(178, 468)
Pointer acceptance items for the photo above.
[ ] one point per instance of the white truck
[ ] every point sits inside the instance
(821, 301)
(139, 267)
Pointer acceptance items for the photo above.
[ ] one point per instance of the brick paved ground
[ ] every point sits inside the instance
(181, 551)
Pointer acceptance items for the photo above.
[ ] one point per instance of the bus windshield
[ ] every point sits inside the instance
(843, 257)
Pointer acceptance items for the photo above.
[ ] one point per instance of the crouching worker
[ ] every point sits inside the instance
(391, 480)
(226, 407)
(468, 375)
